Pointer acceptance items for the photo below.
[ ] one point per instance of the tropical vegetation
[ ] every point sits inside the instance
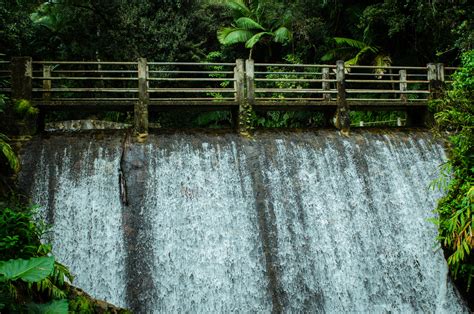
(370, 32)
(455, 116)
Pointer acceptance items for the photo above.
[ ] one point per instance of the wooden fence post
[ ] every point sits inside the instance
(438, 87)
(141, 107)
(342, 119)
(422, 116)
(239, 76)
(246, 105)
(326, 85)
(46, 83)
(250, 78)
(403, 85)
(433, 80)
(22, 73)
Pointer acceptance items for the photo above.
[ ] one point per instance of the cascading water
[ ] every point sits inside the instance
(288, 222)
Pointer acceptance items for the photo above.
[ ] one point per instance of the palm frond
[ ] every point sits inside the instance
(283, 35)
(248, 24)
(255, 39)
(239, 8)
(350, 42)
(331, 54)
(231, 35)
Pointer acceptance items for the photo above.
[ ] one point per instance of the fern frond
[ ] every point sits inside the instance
(9, 154)
(350, 42)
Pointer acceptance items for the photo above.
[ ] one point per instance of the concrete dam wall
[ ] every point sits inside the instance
(283, 221)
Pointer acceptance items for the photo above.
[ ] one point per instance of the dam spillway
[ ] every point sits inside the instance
(283, 221)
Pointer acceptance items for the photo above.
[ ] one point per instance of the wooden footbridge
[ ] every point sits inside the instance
(240, 86)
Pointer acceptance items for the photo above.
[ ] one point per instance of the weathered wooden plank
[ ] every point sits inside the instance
(191, 79)
(294, 80)
(287, 73)
(193, 63)
(86, 62)
(91, 89)
(295, 65)
(191, 90)
(294, 90)
(83, 78)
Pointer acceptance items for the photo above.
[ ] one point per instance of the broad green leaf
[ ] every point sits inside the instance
(283, 35)
(229, 35)
(54, 307)
(248, 24)
(239, 8)
(329, 55)
(32, 270)
(255, 39)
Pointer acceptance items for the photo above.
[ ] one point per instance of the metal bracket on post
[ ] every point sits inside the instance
(342, 120)
(141, 107)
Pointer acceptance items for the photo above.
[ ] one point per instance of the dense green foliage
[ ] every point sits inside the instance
(301, 31)
(364, 32)
(164, 30)
(251, 26)
(455, 115)
(28, 274)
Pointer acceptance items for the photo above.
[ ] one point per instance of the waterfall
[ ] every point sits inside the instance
(284, 222)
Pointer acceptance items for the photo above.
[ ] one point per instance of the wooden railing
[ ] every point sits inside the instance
(143, 85)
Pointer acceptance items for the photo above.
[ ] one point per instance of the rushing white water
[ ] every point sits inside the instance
(288, 222)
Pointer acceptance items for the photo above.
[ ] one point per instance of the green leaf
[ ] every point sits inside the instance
(230, 35)
(248, 24)
(283, 35)
(239, 8)
(9, 154)
(255, 39)
(2, 103)
(54, 307)
(32, 270)
(350, 42)
(329, 55)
